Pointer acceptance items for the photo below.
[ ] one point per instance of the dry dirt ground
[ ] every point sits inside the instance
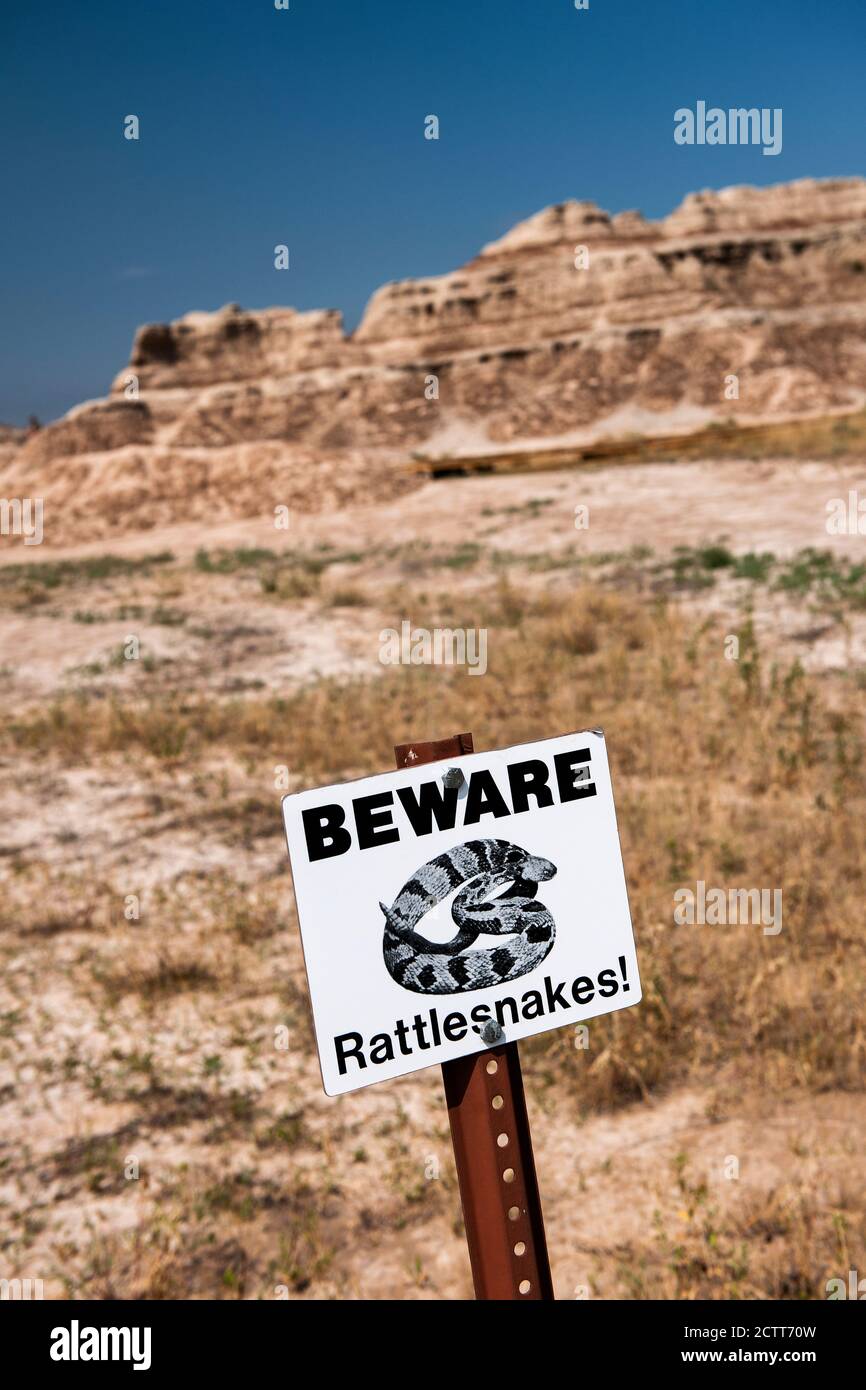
(155, 1141)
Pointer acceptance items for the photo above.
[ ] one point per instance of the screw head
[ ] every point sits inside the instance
(453, 777)
(492, 1032)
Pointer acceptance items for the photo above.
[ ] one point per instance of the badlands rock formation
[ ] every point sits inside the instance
(532, 345)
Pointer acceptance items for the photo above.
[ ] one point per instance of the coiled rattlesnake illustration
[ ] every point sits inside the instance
(483, 866)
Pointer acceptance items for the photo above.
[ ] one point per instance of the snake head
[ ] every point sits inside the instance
(528, 867)
(538, 869)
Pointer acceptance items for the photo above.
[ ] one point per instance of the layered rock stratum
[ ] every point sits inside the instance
(574, 326)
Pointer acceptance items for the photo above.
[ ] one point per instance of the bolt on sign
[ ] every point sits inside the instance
(441, 912)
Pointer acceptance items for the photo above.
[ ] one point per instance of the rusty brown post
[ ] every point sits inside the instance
(492, 1142)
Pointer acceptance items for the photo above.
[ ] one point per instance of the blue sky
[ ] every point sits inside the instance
(305, 127)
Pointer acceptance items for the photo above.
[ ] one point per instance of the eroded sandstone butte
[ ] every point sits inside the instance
(239, 411)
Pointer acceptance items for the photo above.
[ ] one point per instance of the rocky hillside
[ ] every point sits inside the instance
(574, 326)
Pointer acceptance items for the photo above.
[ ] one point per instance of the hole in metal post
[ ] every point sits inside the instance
(497, 1102)
(502, 1140)
(508, 1175)
(492, 1066)
(520, 1248)
(524, 1286)
(514, 1213)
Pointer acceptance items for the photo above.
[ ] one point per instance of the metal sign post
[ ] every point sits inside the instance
(492, 1142)
(389, 999)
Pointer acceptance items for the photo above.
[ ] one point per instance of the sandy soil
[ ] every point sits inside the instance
(773, 504)
(91, 1076)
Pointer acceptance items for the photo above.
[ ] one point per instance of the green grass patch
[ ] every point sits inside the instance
(53, 574)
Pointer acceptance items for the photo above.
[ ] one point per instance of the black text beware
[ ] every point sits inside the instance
(431, 805)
